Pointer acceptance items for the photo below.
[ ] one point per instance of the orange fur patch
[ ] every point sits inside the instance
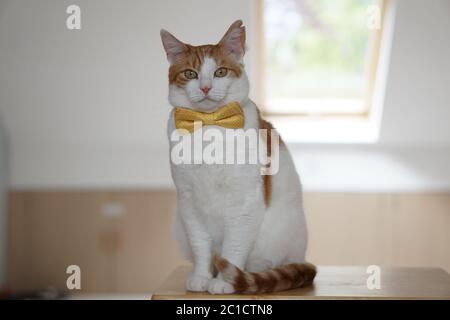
(267, 179)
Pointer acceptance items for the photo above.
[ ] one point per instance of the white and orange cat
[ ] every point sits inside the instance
(245, 232)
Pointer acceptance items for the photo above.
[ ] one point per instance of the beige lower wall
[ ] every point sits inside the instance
(384, 229)
(134, 251)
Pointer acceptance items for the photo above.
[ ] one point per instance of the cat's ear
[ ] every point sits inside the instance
(174, 47)
(233, 42)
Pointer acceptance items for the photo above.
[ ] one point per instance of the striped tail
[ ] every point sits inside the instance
(290, 276)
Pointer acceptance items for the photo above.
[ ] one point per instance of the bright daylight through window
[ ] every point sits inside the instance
(320, 56)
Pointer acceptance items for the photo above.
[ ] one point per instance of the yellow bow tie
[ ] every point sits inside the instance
(229, 116)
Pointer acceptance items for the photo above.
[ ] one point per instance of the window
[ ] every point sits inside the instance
(319, 57)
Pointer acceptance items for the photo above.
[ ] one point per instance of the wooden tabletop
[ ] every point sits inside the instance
(340, 282)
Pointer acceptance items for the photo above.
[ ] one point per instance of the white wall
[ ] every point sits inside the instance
(88, 108)
(417, 106)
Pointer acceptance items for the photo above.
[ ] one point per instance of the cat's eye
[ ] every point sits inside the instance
(221, 72)
(190, 74)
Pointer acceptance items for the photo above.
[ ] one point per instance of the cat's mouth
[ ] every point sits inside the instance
(210, 99)
(208, 103)
(215, 98)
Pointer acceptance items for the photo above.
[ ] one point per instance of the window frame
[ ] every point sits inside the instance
(373, 69)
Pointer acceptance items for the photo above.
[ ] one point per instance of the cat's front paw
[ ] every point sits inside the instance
(197, 283)
(218, 286)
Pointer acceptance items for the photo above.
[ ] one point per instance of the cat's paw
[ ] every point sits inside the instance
(197, 283)
(218, 286)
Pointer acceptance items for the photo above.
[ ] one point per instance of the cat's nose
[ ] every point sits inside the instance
(205, 89)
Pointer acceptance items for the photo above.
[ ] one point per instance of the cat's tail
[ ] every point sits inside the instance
(290, 276)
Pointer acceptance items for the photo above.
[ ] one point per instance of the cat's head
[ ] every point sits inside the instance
(209, 76)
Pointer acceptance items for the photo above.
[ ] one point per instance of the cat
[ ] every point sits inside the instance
(245, 232)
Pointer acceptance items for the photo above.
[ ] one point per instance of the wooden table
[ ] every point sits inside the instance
(340, 282)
